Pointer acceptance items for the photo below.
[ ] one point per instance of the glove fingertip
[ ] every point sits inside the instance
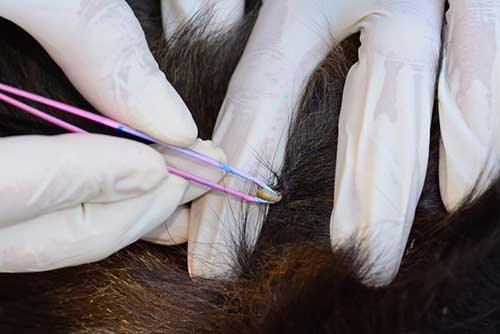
(160, 112)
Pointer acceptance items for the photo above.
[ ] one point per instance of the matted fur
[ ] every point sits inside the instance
(291, 282)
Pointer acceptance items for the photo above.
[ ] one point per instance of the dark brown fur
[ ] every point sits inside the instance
(291, 282)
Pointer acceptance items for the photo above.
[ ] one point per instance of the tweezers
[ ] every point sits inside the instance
(265, 194)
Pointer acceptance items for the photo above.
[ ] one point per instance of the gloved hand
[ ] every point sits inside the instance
(469, 100)
(383, 130)
(73, 199)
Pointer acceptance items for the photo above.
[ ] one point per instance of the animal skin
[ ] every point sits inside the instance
(290, 281)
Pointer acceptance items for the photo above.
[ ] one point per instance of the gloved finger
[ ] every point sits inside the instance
(384, 131)
(44, 174)
(101, 47)
(88, 232)
(253, 122)
(175, 230)
(195, 167)
(172, 232)
(222, 13)
(469, 95)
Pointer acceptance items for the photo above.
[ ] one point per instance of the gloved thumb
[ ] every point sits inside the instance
(101, 47)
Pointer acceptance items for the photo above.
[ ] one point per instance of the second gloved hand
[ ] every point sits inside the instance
(384, 126)
(74, 199)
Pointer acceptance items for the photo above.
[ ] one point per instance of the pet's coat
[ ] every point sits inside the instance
(291, 282)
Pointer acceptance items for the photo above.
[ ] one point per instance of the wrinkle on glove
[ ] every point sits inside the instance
(74, 199)
(384, 126)
(101, 47)
(469, 100)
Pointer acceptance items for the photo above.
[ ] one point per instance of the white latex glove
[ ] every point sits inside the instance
(383, 131)
(469, 100)
(73, 199)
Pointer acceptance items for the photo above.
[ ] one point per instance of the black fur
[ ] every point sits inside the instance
(291, 282)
